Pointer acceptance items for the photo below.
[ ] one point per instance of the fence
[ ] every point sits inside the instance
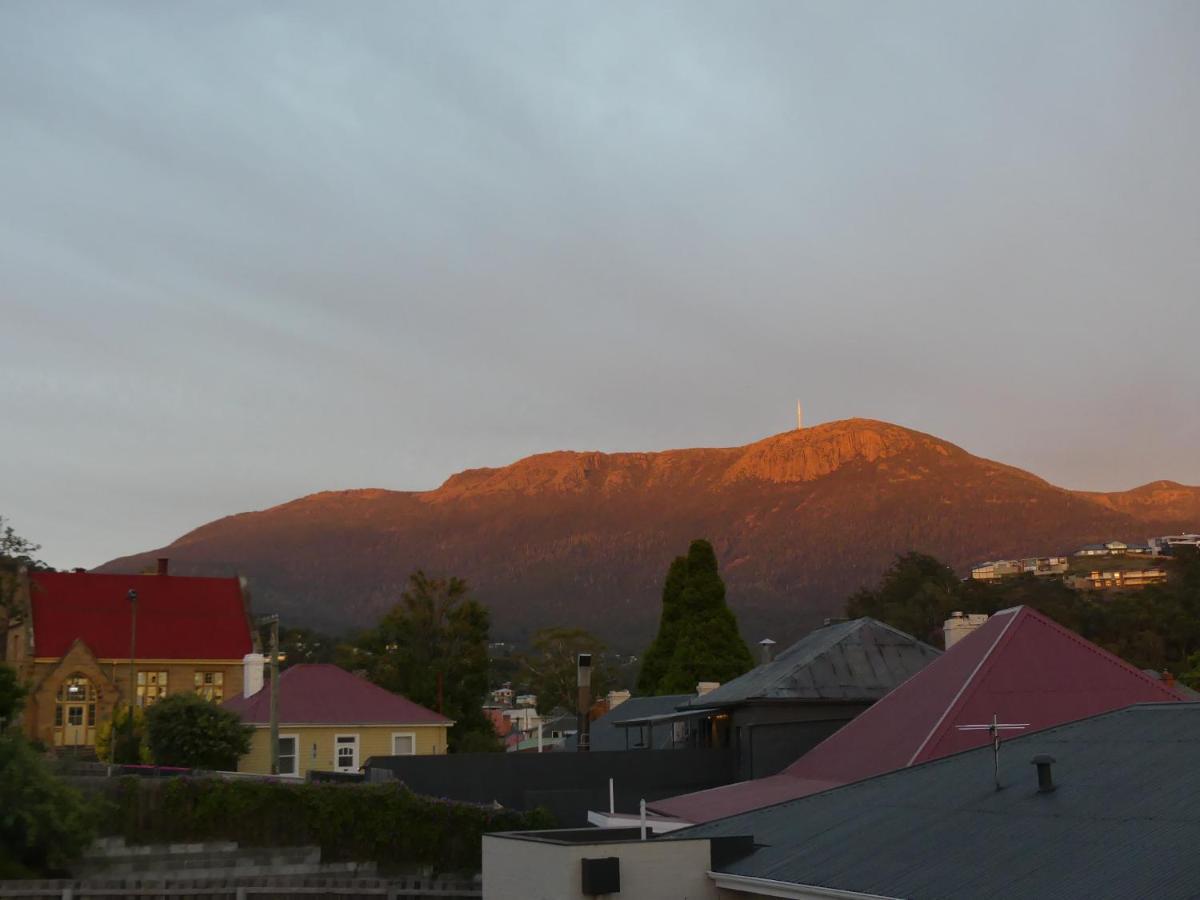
(270, 888)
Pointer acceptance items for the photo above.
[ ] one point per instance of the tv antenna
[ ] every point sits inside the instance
(994, 728)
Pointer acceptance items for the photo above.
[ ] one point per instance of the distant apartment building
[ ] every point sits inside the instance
(1168, 542)
(1009, 568)
(1118, 548)
(1098, 580)
(503, 695)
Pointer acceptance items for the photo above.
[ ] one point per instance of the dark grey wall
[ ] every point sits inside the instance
(568, 784)
(768, 738)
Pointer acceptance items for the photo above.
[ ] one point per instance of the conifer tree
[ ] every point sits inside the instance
(698, 637)
(662, 648)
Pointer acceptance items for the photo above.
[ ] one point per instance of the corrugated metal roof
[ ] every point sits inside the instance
(1123, 822)
(323, 694)
(1020, 666)
(862, 659)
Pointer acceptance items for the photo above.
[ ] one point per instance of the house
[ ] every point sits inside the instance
(1111, 548)
(778, 710)
(86, 642)
(1020, 666)
(1009, 568)
(332, 720)
(1090, 809)
(1098, 808)
(1100, 579)
(1167, 543)
(606, 734)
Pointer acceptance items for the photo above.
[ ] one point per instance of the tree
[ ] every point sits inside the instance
(699, 636)
(916, 595)
(187, 730)
(43, 823)
(130, 736)
(16, 553)
(550, 669)
(662, 648)
(432, 647)
(12, 696)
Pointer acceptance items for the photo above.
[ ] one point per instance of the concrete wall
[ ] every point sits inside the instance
(516, 869)
(315, 744)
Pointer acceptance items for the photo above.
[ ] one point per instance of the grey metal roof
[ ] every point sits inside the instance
(1124, 820)
(862, 659)
(605, 735)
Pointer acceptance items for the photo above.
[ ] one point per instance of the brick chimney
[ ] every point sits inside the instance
(1168, 679)
(162, 565)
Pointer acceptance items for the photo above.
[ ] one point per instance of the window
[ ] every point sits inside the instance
(404, 744)
(58, 716)
(151, 687)
(345, 755)
(288, 755)
(74, 715)
(210, 685)
(91, 715)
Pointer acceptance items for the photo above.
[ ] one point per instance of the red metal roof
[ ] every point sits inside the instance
(323, 694)
(177, 617)
(1019, 666)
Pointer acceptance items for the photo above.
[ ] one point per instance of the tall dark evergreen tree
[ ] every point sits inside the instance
(658, 656)
(698, 637)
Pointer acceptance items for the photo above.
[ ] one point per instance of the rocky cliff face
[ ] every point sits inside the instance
(799, 520)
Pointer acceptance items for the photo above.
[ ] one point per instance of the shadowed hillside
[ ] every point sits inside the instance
(798, 520)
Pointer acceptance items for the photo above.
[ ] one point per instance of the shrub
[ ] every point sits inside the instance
(384, 823)
(187, 730)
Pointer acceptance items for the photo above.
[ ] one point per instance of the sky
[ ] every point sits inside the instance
(253, 250)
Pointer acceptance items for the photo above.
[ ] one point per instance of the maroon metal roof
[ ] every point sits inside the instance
(177, 617)
(322, 694)
(1019, 666)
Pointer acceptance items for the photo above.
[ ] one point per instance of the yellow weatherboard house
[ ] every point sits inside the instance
(332, 721)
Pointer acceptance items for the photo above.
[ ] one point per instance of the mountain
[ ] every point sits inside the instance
(799, 520)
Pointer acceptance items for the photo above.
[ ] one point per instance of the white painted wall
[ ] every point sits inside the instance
(516, 869)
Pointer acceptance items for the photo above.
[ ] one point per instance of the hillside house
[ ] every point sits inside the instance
(1100, 579)
(1009, 568)
(332, 720)
(76, 633)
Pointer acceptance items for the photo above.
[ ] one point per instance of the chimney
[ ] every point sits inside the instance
(1045, 778)
(1168, 679)
(162, 565)
(583, 678)
(766, 644)
(252, 674)
(959, 625)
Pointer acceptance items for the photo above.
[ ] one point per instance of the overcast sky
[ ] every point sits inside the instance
(249, 251)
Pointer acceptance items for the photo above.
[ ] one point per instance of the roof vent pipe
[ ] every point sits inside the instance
(767, 644)
(1045, 778)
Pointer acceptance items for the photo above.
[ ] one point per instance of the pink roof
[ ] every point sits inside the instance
(177, 617)
(1020, 666)
(322, 694)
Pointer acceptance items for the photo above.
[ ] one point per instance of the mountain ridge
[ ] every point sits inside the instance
(799, 519)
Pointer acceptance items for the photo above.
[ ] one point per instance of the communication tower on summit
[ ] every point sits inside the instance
(799, 416)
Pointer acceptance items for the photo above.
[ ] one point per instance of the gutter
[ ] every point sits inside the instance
(769, 887)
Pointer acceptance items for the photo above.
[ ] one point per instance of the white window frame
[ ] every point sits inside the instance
(295, 755)
(357, 746)
(412, 735)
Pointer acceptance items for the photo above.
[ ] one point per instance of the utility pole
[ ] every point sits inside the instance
(132, 595)
(273, 621)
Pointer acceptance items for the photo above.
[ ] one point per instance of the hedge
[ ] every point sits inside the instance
(384, 823)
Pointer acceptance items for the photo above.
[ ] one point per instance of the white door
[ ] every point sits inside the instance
(345, 753)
